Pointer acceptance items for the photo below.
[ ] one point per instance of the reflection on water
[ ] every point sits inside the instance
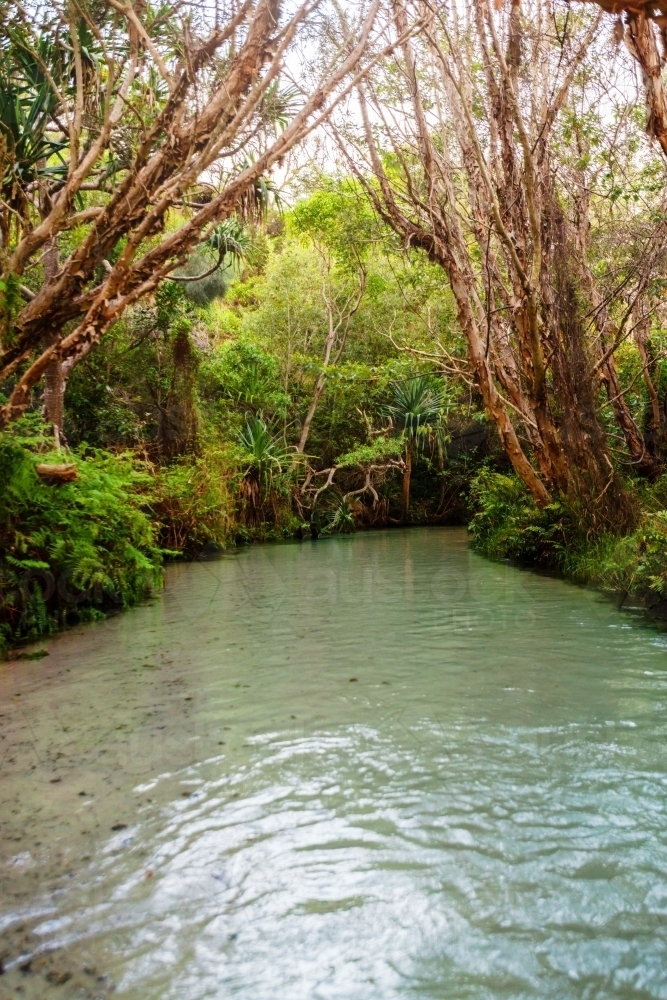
(358, 769)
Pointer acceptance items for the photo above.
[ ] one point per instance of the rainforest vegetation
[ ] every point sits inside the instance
(275, 272)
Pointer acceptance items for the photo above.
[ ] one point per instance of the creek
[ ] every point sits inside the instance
(363, 768)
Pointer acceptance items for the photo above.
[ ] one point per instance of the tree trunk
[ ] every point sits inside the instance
(55, 381)
(653, 430)
(639, 455)
(54, 399)
(479, 362)
(407, 472)
(178, 418)
(305, 431)
(642, 43)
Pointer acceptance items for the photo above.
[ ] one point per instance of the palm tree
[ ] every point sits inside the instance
(417, 411)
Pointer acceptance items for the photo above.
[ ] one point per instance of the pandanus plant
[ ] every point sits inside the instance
(266, 458)
(28, 144)
(417, 411)
(231, 243)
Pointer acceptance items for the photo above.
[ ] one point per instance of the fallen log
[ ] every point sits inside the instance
(54, 474)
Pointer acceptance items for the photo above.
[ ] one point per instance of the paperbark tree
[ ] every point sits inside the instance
(463, 166)
(152, 115)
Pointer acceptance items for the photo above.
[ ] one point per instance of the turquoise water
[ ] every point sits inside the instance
(366, 768)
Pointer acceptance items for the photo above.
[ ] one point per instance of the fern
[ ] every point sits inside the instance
(77, 548)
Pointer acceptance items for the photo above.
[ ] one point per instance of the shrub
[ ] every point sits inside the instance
(650, 539)
(635, 564)
(508, 525)
(190, 503)
(242, 373)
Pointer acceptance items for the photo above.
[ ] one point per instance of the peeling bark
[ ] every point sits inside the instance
(487, 180)
(78, 305)
(54, 379)
(643, 45)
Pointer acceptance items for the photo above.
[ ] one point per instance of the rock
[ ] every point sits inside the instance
(58, 976)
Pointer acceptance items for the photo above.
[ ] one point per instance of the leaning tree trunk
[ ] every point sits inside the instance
(305, 430)
(54, 380)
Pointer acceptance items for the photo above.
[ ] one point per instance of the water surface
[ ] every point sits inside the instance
(366, 768)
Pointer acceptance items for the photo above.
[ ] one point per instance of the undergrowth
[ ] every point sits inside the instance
(190, 503)
(71, 551)
(508, 525)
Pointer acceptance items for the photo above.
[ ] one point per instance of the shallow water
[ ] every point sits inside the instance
(359, 769)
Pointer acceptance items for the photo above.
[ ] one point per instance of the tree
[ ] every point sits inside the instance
(468, 172)
(416, 410)
(160, 114)
(338, 226)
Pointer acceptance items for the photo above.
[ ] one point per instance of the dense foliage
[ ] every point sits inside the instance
(461, 322)
(184, 423)
(508, 525)
(71, 551)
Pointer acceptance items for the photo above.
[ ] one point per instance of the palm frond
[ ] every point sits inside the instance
(230, 237)
(417, 406)
(266, 454)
